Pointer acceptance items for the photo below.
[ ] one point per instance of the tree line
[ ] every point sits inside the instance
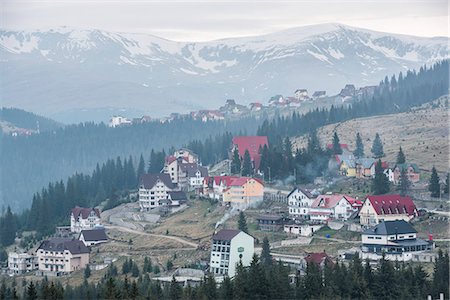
(263, 279)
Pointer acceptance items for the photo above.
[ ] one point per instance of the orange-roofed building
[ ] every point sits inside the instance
(244, 191)
(252, 144)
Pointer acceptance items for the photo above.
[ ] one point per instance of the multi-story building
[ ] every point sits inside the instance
(152, 188)
(20, 263)
(229, 246)
(59, 256)
(191, 176)
(299, 201)
(84, 218)
(386, 208)
(396, 239)
(412, 171)
(119, 121)
(244, 191)
(333, 207)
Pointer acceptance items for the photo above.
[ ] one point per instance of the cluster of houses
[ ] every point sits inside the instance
(117, 121)
(63, 254)
(350, 166)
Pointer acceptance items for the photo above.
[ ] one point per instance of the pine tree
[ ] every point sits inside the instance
(242, 222)
(336, 144)
(247, 168)
(434, 185)
(140, 169)
(175, 291)
(266, 257)
(401, 159)
(8, 228)
(377, 147)
(446, 184)
(359, 151)
(210, 287)
(380, 183)
(236, 162)
(226, 289)
(404, 183)
(31, 291)
(87, 272)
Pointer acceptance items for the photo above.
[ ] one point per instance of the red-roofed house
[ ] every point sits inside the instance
(214, 186)
(320, 259)
(344, 147)
(329, 207)
(84, 218)
(386, 208)
(244, 191)
(252, 144)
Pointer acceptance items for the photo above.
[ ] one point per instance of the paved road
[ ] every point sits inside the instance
(170, 237)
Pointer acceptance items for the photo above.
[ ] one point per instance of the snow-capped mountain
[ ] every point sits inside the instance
(56, 71)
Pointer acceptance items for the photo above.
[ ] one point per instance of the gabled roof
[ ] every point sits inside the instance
(177, 195)
(240, 181)
(84, 212)
(252, 144)
(149, 180)
(406, 165)
(62, 244)
(226, 234)
(304, 191)
(366, 162)
(329, 201)
(391, 227)
(191, 169)
(353, 201)
(392, 204)
(226, 180)
(317, 258)
(92, 235)
(270, 217)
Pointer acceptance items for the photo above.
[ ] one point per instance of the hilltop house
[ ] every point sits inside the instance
(58, 256)
(173, 162)
(191, 176)
(396, 239)
(329, 207)
(252, 144)
(214, 186)
(412, 171)
(116, 121)
(244, 191)
(348, 91)
(299, 201)
(301, 94)
(84, 218)
(93, 237)
(152, 188)
(255, 106)
(319, 94)
(20, 263)
(386, 208)
(228, 247)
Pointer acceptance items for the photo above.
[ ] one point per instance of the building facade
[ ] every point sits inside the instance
(20, 263)
(300, 201)
(93, 237)
(83, 218)
(228, 247)
(244, 191)
(152, 188)
(58, 256)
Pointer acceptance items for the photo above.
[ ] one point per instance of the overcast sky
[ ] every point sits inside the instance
(207, 20)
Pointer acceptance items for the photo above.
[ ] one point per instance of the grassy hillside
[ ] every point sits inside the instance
(422, 133)
(13, 118)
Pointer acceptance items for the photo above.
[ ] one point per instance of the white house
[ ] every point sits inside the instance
(332, 207)
(301, 94)
(84, 218)
(152, 188)
(119, 121)
(93, 236)
(229, 246)
(397, 239)
(302, 229)
(20, 263)
(386, 208)
(299, 201)
(191, 176)
(59, 256)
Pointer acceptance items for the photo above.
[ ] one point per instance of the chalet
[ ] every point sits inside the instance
(176, 198)
(319, 258)
(412, 170)
(299, 201)
(396, 239)
(301, 94)
(244, 192)
(191, 176)
(277, 100)
(270, 222)
(348, 91)
(84, 218)
(386, 208)
(329, 207)
(116, 121)
(319, 94)
(93, 237)
(208, 115)
(252, 144)
(58, 256)
(154, 187)
(213, 187)
(21, 263)
(347, 164)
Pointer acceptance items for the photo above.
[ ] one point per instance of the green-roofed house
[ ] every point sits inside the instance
(412, 170)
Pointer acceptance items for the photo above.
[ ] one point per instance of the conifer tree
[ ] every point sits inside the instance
(377, 147)
(210, 287)
(404, 183)
(7, 228)
(336, 144)
(359, 151)
(226, 289)
(175, 291)
(446, 184)
(264, 164)
(140, 169)
(380, 183)
(236, 162)
(242, 222)
(434, 185)
(266, 257)
(401, 159)
(87, 272)
(247, 168)
(31, 292)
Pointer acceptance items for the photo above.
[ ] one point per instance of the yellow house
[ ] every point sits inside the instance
(244, 191)
(347, 165)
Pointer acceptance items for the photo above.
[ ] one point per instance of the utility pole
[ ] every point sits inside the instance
(269, 174)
